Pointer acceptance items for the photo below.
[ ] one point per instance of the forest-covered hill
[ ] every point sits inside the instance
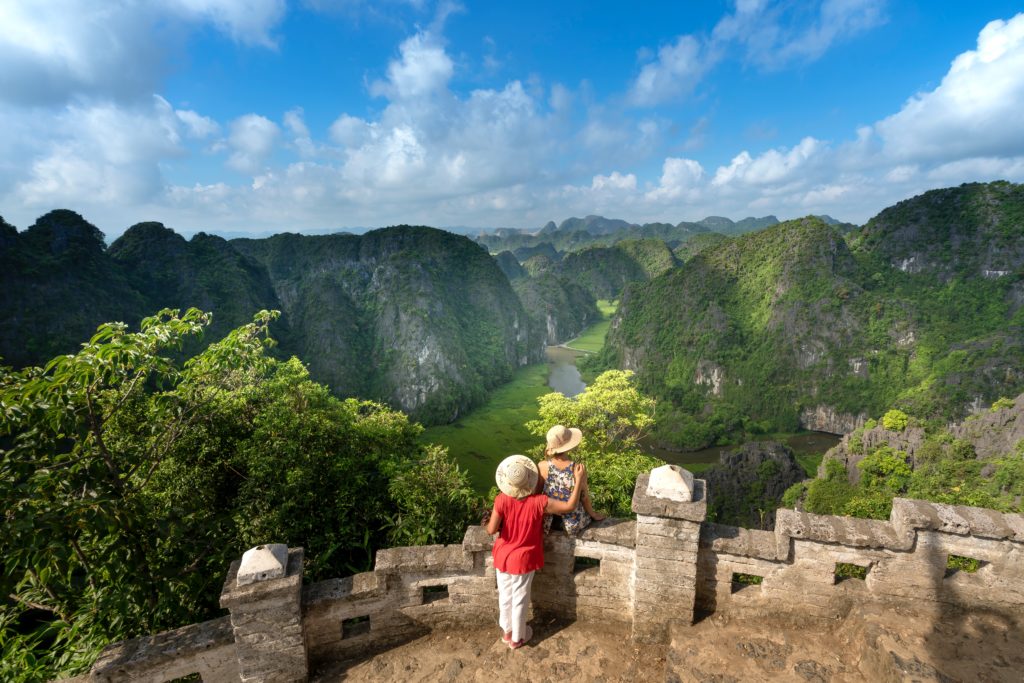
(420, 318)
(799, 324)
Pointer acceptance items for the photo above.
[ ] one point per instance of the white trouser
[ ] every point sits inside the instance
(514, 602)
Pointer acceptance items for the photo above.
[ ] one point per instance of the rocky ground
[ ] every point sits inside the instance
(868, 645)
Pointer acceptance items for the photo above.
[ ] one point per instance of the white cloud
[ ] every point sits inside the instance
(771, 167)
(679, 178)
(251, 141)
(975, 111)
(614, 181)
(301, 138)
(105, 154)
(246, 21)
(773, 34)
(199, 127)
(56, 50)
(676, 71)
(423, 69)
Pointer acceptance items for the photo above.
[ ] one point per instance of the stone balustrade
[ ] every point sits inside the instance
(651, 574)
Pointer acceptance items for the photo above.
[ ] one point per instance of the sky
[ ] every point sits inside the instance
(263, 116)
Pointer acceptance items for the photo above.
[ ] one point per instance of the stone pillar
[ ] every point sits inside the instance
(263, 591)
(670, 506)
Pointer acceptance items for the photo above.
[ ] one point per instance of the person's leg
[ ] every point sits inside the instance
(521, 606)
(505, 592)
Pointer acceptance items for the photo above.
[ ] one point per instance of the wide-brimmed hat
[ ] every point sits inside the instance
(517, 476)
(562, 439)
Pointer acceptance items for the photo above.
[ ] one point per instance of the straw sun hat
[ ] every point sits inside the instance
(517, 476)
(562, 439)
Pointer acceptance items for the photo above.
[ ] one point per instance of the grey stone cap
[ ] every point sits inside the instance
(621, 532)
(848, 531)
(956, 519)
(364, 585)
(477, 539)
(233, 594)
(694, 511)
(426, 558)
(131, 659)
(764, 545)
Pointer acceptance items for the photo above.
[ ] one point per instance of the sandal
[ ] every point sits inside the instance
(519, 643)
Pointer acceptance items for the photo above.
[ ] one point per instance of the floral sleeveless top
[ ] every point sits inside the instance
(559, 485)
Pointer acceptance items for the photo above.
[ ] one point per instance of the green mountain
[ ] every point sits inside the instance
(58, 284)
(795, 326)
(605, 271)
(419, 318)
(574, 234)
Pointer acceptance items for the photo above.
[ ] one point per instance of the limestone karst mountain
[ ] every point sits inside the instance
(921, 309)
(420, 318)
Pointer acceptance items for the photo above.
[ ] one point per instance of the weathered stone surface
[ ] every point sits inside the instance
(424, 558)
(477, 539)
(233, 596)
(621, 532)
(207, 648)
(868, 533)
(738, 541)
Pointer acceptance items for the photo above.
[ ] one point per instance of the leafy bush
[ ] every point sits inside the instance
(794, 494)
(435, 501)
(614, 416)
(895, 420)
(885, 468)
(1001, 403)
(130, 481)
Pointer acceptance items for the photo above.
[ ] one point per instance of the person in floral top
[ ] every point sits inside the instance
(556, 474)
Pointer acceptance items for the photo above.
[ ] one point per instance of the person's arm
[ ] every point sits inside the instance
(542, 479)
(494, 522)
(589, 507)
(561, 507)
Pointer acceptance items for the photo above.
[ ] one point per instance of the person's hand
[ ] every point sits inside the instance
(580, 473)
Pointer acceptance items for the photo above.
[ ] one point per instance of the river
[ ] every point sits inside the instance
(564, 376)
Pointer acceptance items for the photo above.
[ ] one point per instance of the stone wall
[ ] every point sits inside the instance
(905, 560)
(652, 573)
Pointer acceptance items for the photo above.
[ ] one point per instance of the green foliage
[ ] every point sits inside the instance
(614, 416)
(945, 470)
(794, 494)
(434, 499)
(870, 424)
(885, 468)
(1002, 403)
(747, 579)
(131, 480)
(846, 570)
(479, 440)
(959, 563)
(794, 308)
(895, 420)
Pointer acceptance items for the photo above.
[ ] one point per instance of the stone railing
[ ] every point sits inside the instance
(647, 574)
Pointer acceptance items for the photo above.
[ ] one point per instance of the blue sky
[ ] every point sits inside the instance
(267, 115)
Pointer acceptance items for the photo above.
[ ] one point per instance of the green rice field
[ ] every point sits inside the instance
(592, 338)
(480, 440)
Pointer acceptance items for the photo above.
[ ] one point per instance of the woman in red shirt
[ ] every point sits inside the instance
(519, 551)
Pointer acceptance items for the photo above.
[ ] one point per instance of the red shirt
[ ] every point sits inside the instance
(520, 545)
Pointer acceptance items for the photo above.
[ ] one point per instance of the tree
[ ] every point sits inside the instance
(614, 417)
(130, 480)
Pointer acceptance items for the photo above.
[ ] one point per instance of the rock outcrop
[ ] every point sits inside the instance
(827, 419)
(745, 488)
